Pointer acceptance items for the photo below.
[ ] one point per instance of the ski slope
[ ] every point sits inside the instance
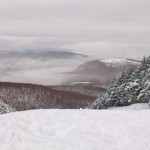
(114, 129)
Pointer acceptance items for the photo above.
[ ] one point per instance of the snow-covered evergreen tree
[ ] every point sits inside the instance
(5, 108)
(130, 88)
(102, 101)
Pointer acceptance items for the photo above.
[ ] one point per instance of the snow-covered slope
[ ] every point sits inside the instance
(138, 106)
(75, 130)
(119, 62)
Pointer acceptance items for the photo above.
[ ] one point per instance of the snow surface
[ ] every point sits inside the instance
(76, 130)
(117, 62)
(80, 83)
(138, 106)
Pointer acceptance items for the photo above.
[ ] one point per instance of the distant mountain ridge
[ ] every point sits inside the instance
(102, 71)
(82, 88)
(27, 65)
(40, 54)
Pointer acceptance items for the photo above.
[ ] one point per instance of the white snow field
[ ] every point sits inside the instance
(114, 129)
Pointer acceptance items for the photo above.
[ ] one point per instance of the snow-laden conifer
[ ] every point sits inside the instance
(129, 88)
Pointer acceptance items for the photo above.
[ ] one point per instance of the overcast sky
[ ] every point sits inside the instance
(105, 28)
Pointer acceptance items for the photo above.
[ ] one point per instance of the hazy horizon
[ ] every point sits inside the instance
(116, 28)
(101, 29)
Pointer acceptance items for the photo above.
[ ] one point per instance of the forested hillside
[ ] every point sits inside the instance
(21, 96)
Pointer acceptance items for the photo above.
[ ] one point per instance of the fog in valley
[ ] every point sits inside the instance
(101, 30)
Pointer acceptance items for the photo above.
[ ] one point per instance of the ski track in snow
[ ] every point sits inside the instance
(75, 130)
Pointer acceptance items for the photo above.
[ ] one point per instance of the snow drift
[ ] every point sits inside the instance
(76, 130)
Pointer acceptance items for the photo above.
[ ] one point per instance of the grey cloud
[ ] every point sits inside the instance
(75, 24)
(37, 66)
(104, 28)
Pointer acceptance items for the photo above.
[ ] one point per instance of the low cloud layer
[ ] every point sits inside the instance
(101, 28)
(40, 67)
(118, 28)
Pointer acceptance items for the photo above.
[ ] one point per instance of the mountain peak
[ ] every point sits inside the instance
(117, 62)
